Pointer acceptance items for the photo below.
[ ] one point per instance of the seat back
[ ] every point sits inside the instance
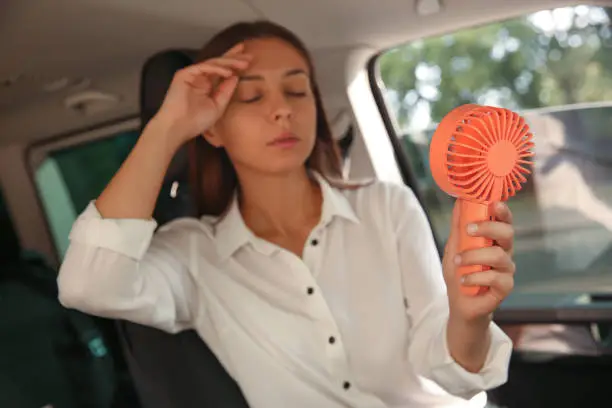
(173, 370)
(50, 355)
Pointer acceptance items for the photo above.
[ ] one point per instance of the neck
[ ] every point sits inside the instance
(277, 205)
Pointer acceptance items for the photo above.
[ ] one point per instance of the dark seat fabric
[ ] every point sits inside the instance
(177, 370)
(50, 355)
(173, 370)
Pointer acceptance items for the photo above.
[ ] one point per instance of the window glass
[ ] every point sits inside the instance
(555, 68)
(68, 179)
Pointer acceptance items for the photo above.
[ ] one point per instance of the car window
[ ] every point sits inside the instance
(69, 178)
(555, 68)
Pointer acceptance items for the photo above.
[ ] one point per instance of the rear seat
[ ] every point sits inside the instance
(50, 356)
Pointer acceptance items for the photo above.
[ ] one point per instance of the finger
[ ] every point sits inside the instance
(201, 85)
(235, 49)
(494, 257)
(238, 62)
(499, 232)
(203, 68)
(223, 93)
(238, 55)
(217, 68)
(500, 282)
(502, 212)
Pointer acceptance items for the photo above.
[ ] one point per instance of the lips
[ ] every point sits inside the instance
(285, 140)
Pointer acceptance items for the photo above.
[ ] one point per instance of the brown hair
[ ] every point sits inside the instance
(211, 172)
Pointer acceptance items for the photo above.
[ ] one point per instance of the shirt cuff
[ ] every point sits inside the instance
(458, 381)
(129, 237)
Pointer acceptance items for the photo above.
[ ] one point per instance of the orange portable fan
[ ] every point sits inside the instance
(478, 154)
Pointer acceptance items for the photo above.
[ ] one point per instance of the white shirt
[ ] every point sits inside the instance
(358, 322)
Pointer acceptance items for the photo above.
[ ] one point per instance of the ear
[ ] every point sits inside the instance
(213, 137)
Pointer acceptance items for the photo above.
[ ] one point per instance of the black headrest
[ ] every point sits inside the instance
(157, 73)
(156, 76)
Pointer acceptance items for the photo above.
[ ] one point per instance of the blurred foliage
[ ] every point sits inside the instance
(550, 58)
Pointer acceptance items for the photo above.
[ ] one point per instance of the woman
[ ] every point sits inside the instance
(311, 293)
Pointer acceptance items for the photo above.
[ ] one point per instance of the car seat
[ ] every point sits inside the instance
(173, 370)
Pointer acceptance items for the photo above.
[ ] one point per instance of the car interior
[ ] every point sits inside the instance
(79, 80)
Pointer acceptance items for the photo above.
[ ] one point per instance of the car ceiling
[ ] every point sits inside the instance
(52, 49)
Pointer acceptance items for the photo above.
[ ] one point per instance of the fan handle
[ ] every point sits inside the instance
(472, 212)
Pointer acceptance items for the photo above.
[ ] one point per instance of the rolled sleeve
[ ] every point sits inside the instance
(124, 269)
(456, 380)
(129, 237)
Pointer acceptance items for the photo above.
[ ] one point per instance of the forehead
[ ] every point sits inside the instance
(274, 54)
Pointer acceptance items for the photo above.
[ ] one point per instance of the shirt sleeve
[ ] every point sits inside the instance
(122, 269)
(428, 310)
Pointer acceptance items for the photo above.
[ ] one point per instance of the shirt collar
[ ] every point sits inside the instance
(335, 204)
(232, 233)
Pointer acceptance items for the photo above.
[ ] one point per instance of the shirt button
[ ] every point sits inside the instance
(310, 290)
(332, 340)
(346, 385)
(314, 242)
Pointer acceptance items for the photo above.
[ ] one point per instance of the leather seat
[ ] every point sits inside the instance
(173, 370)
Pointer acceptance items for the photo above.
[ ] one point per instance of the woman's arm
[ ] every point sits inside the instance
(118, 268)
(434, 337)
(114, 266)
(133, 190)
(470, 316)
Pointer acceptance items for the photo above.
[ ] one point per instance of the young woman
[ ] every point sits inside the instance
(312, 293)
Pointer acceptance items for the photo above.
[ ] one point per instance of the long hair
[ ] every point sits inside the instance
(212, 175)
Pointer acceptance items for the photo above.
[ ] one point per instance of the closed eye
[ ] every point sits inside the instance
(251, 100)
(296, 94)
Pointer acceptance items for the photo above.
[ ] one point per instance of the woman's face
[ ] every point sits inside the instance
(270, 124)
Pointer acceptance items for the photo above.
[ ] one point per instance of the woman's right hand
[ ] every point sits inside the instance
(199, 94)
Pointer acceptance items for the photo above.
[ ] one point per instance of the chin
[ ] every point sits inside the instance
(285, 164)
(278, 161)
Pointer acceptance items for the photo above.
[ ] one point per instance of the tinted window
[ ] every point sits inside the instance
(68, 179)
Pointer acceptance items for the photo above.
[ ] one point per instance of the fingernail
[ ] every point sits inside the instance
(457, 259)
(472, 228)
(500, 206)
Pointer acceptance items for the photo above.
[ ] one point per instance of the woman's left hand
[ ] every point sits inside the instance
(499, 279)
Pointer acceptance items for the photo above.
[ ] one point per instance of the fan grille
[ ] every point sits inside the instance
(488, 154)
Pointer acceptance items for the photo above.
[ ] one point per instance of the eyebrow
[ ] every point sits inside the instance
(293, 72)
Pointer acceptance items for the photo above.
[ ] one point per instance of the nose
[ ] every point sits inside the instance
(281, 109)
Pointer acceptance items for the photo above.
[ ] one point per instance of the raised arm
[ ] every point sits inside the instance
(191, 106)
(116, 266)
